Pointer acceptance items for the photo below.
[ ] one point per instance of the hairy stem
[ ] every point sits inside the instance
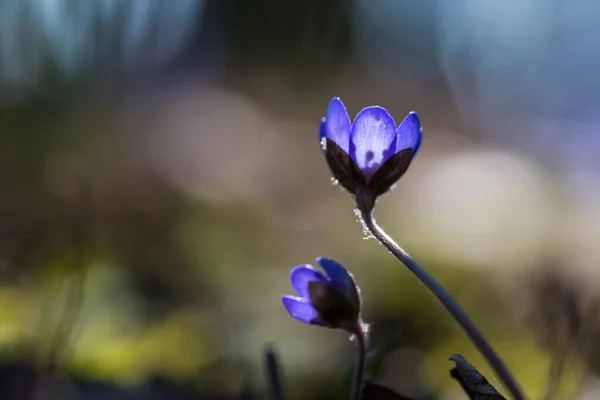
(447, 301)
(360, 362)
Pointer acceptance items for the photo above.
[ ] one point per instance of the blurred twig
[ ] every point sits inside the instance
(80, 236)
(565, 316)
(273, 375)
(558, 365)
(68, 321)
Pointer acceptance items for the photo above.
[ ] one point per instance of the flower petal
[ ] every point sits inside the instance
(322, 132)
(409, 133)
(301, 309)
(337, 124)
(301, 275)
(340, 279)
(373, 138)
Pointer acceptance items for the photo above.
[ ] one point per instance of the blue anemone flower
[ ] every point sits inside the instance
(371, 153)
(331, 300)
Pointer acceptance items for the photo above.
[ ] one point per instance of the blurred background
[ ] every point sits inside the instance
(160, 174)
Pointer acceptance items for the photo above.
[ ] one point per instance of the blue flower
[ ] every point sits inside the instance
(331, 300)
(370, 154)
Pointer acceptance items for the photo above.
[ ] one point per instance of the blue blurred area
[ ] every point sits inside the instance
(78, 38)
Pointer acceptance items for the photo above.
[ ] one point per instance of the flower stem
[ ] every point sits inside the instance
(360, 362)
(447, 301)
(273, 373)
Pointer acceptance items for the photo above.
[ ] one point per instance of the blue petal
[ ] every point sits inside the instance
(340, 279)
(409, 133)
(301, 275)
(301, 309)
(337, 124)
(373, 139)
(322, 133)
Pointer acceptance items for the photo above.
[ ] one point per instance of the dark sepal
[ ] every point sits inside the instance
(390, 171)
(472, 382)
(333, 308)
(343, 167)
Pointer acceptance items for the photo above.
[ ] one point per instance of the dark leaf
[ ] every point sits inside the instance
(472, 382)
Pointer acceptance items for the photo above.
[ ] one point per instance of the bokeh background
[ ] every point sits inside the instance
(160, 174)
